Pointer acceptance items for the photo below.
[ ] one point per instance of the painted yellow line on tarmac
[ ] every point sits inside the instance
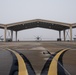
(53, 65)
(21, 63)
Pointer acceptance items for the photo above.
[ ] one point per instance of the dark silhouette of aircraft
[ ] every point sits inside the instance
(1, 38)
(7, 39)
(38, 38)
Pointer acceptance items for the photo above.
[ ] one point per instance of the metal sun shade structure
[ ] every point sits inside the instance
(59, 26)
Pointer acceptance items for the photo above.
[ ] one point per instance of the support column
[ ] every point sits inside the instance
(64, 35)
(60, 34)
(12, 35)
(5, 33)
(16, 35)
(70, 32)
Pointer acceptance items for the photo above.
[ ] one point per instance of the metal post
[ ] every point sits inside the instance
(70, 32)
(60, 34)
(16, 35)
(12, 35)
(64, 35)
(5, 33)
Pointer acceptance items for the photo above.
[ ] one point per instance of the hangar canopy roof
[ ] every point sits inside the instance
(38, 23)
(2, 25)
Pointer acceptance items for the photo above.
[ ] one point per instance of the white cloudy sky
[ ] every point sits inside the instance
(20, 10)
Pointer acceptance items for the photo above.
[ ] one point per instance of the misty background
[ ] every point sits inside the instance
(12, 11)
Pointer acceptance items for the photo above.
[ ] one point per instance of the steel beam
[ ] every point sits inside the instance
(16, 35)
(70, 32)
(12, 35)
(60, 34)
(64, 35)
(5, 33)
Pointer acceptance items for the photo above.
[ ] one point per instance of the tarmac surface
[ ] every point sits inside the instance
(37, 58)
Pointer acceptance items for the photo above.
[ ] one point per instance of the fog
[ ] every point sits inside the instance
(21, 10)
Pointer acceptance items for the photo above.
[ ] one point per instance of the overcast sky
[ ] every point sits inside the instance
(21, 10)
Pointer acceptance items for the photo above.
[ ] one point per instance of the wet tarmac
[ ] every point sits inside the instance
(5, 62)
(36, 55)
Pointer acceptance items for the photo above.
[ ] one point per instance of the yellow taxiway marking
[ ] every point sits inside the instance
(22, 65)
(53, 65)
